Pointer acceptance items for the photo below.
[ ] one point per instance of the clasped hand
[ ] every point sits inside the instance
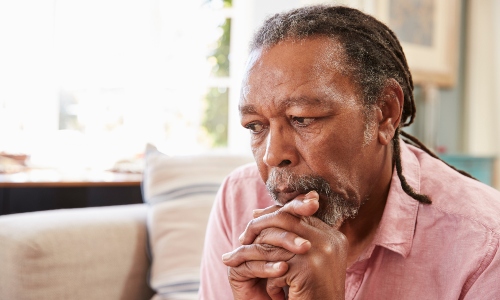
(286, 246)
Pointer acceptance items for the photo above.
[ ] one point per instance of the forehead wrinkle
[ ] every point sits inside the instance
(328, 62)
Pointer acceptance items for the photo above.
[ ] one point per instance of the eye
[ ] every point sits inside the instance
(255, 127)
(302, 121)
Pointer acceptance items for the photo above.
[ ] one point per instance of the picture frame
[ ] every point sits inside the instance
(429, 34)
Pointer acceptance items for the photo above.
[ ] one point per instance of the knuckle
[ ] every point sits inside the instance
(240, 272)
(309, 221)
(274, 253)
(234, 274)
(281, 213)
(334, 245)
(327, 249)
(273, 286)
(251, 224)
(266, 249)
(342, 239)
(285, 235)
(290, 206)
(275, 208)
(247, 266)
(263, 236)
(251, 229)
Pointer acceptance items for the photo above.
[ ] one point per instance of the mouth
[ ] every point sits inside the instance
(284, 186)
(283, 196)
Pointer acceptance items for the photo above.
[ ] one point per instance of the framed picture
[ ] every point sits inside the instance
(429, 33)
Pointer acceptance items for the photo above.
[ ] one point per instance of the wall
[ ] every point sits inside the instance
(482, 80)
(450, 121)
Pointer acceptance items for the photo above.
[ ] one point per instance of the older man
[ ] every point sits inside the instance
(358, 213)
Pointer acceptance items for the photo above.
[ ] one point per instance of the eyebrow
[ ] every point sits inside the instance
(304, 101)
(248, 109)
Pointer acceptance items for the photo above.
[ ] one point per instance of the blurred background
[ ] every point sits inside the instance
(85, 84)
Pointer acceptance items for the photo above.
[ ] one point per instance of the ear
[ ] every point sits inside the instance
(389, 111)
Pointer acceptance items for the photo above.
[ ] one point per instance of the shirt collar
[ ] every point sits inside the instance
(397, 226)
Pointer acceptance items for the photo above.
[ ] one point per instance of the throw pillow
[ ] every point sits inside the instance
(180, 191)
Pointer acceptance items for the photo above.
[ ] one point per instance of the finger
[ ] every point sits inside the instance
(263, 211)
(274, 288)
(283, 239)
(276, 294)
(286, 220)
(276, 219)
(303, 205)
(256, 252)
(257, 269)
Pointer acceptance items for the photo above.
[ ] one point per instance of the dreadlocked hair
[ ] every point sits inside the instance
(373, 55)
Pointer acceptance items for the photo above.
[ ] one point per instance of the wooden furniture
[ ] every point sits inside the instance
(44, 189)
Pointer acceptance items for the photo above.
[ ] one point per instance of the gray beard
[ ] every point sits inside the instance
(333, 208)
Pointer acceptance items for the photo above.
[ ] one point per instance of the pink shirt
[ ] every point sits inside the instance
(446, 250)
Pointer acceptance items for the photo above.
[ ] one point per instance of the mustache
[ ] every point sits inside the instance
(281, 178)
(333, 208)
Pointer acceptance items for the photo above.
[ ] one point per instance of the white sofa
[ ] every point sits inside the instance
(140, 251)
(87, 253)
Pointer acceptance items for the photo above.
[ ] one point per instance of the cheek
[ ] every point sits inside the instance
(258, 151)
(334, 154)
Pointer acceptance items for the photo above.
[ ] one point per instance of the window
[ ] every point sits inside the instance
(101, 78)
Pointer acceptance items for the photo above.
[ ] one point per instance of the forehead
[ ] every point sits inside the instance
(315, 55)
(314, 66)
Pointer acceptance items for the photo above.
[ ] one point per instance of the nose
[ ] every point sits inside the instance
(280, 149)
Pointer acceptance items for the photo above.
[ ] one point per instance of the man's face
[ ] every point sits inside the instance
(309, 129)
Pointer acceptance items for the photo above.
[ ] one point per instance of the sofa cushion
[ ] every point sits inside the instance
(85, 253)
(180, 191)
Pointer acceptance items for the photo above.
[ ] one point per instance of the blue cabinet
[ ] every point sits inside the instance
(481, 167)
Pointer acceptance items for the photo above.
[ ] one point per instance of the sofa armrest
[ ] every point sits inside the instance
(86, 253)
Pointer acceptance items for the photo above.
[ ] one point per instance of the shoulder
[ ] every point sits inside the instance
(461, 228)
(456, 195)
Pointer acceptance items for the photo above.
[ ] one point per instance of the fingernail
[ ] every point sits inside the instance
(275, 265)
(241, 237)
(311, 196)
(226, 256)
(299, 241)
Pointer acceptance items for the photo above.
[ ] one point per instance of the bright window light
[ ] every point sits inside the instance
(85, 83)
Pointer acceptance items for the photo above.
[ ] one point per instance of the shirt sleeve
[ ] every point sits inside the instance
(214, 283)
(486, 285)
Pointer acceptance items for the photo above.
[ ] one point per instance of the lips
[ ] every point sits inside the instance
(285, 195)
